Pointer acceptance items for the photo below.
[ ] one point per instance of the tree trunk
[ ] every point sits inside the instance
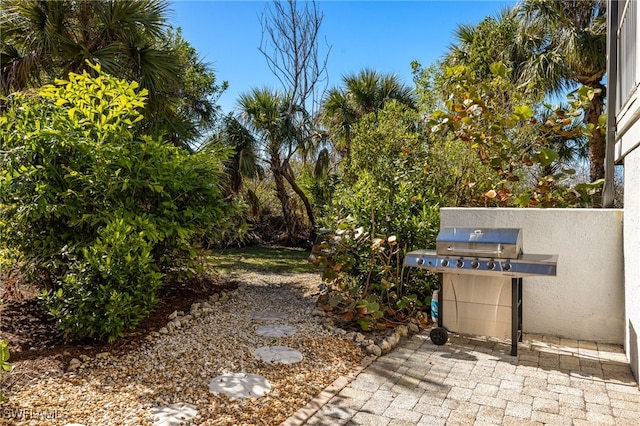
(596, 140)
(289, 215)
(288, 175)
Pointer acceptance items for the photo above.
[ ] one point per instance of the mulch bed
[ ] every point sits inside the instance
(33, 337)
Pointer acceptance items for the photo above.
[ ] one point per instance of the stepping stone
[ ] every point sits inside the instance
(278, 354)
(268, 316)
(240, 385)
(174, 414)
(276, 330)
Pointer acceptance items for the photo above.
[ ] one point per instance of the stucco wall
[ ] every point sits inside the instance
(632, 256)
(586, 298)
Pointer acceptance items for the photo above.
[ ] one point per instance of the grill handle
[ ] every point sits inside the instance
(499, 251)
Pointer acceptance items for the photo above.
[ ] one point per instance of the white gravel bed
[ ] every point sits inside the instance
(176, 367)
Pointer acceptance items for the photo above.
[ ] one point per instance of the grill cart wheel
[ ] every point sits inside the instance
(439, 335)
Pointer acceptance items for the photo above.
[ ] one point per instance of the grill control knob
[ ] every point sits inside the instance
(460, 263)
(420, 261)
(491, 265)
(506, 266)
(445, 262)
(475, 264)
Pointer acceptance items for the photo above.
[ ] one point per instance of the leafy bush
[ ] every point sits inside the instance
(111, 287)
(4, 363)
(94, 211)
(388, 188)
(520, 145)
(386, 206)
(367, 280)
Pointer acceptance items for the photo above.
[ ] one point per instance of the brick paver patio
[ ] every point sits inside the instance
(474, 380)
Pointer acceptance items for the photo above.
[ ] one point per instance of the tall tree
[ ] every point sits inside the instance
(45, 40)
(362, 93)
(506, 39)
(568, 39)
(494, 39)
(193, 110)
(280, 133)
(290, 44)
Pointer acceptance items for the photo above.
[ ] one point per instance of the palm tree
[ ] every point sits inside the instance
(363, 93)
(492, 40)
(570, 145)
(281, 134)
(193, 111)
(43, 40)
(568, 41)
(244, 146)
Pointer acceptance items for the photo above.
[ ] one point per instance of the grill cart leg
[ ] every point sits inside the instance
(440, 297)
(439, 335)
(516, 314)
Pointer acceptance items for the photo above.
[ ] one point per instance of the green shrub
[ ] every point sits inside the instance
(94, 211)
(366, 276)
(528, 149)
(4, 363)
(385, 206)
(388, 188)
(111, 287)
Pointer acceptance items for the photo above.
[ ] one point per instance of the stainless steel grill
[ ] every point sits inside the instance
(482, 252)
(495, 256)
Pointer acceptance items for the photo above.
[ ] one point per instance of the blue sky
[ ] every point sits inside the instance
(382, 35)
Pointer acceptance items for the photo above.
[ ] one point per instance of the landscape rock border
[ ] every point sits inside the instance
(374, 344)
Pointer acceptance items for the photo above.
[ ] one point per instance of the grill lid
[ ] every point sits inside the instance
(504, 243)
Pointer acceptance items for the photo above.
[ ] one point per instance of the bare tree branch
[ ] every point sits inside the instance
(290, 45)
